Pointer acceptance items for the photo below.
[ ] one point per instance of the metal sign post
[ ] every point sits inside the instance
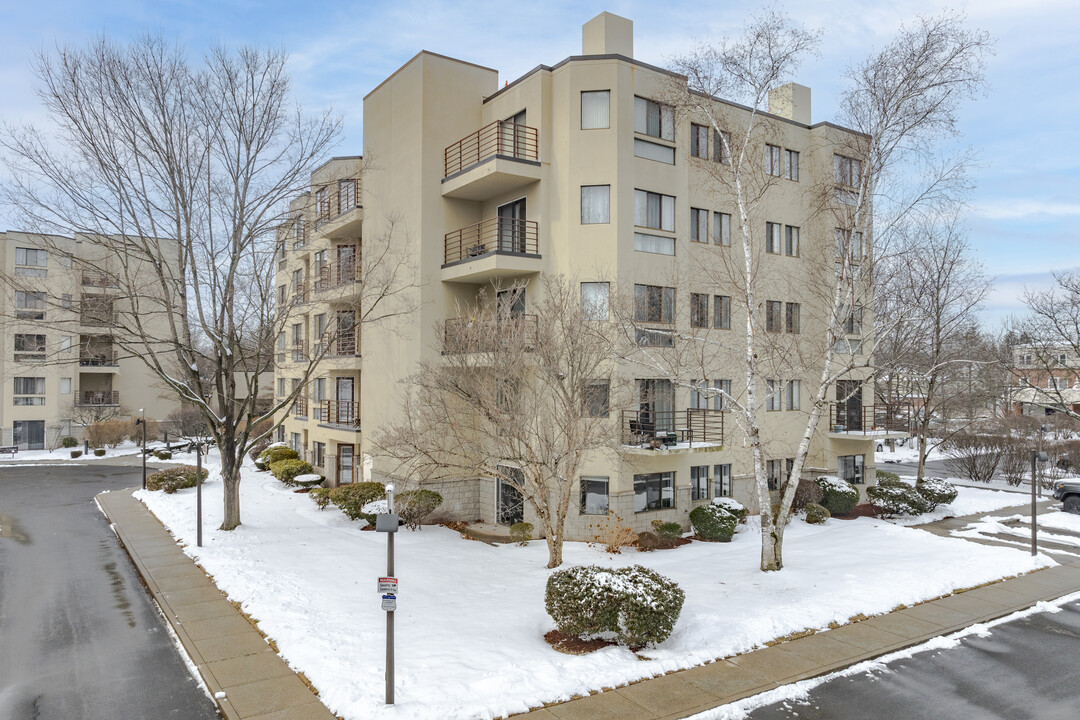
(388, 523)
(198, 495)
(142, 421)
(1037, 456)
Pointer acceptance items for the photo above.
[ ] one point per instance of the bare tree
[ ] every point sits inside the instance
(175, 176)
(1051, 347)
(522, 399)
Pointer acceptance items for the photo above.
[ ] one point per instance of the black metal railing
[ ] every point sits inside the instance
(501, 137)
(494, 235)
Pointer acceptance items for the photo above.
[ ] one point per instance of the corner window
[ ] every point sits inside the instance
(654, 491)
(29, 347)
(29, 391)
(595, 110)
(594, 496)
(654, 304)
(29, 305)
(595, 204)
(846, 171)
(653, 210)
(772, 238)
(706, 394)
(30, 262)
(653, 119)
(850, 468)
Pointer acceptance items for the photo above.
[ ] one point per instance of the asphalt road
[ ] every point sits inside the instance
(80, 638)
(1029, 668)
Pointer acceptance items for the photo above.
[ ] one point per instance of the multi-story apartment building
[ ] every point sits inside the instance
(578, 170)
(1045, 380)
(59, 362)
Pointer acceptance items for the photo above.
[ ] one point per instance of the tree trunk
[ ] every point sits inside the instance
(230, 476)
(554, 543)
(772, 545)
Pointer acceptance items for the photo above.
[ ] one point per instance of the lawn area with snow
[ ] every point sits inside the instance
(969, 501)
(63, 453)
(471, 619)
(908, 453)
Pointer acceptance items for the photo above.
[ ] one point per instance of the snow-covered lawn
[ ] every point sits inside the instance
(471, 619)
(909, 453)
(1057, 527)
(969, 501)
(62, 453)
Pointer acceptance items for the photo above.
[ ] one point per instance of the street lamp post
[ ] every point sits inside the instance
(1037, 456)
(142, 421)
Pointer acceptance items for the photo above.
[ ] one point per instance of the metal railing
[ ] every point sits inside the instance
(494, 235)
(342, 412)
(299, 351)
(92, 278)
(107, 358)
(501, 137)
(299, 295)
(99, 397)
(345, 345)
(337, 274)
(335, 202)
(468, 335)
(299, 408)
(692, 425)
(96, 317)
(870, 419)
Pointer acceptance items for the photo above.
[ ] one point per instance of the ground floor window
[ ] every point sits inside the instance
(318, 454)
(654, 491)
(594, 496)
(281, 433)
(699, 482)
(778, 472)
(722, 480)
(28, 434)
(296, 443)
(850, 468)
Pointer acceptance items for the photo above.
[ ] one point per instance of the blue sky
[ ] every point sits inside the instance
(1024, 212)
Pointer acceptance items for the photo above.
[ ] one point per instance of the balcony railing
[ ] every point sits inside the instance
(467, 335)
(91, 278)
(300, 294)
(344, 345)
(99, 397)
(105, 358)
(869, 420)
(692, 425)
(299, 408)
(299, 351)
(501, 137)
(337, 274)
(494, 235)
(341, 412)
(340, 197)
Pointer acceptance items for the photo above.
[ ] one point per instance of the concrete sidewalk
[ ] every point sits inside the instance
(246, 677)
(686, 692)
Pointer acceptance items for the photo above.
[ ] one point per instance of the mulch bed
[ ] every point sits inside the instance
(864, 510)
(573, 645)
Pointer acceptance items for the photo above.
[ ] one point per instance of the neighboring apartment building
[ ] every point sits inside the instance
(1046, 379)
(59, 364)
(576, 170)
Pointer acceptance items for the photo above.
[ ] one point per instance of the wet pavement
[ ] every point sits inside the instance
(80, 637)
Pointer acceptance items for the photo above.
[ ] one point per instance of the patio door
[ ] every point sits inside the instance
(509, 505)
(28, 434)
(512, 136)
(656, 405)
(345, 464)
(344, 394)
(512, 226)
(849, 404)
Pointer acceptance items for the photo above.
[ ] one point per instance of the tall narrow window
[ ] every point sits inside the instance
(699, 310)
(791, 241)
(722, 147)
(699, 225)
(722, 228)
(772, 395)
(773, 315)
(595, 109)
(595, 300)
(596, 398)
(792, 390)
(595, 204)
(772, 238)
(791, 165)
(772, 160)
(699, 141)
(791, 317)
(722, 480)
(699, 482)
(722, 312)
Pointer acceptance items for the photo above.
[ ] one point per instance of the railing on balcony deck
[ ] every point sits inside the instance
(92, 278)
(344, 345)
(99, 397)
(299, 351)
(494, 235)
(299, 408)
(692, 425)
(467, 335)
(106, 358)
(300, 294)
(337, 274)
(869, 420)
(501, 137)
(341, 412)
(340, 197)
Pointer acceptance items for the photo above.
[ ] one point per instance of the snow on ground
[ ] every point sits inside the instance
(969, 501)
(908, 453)
(62, 453)
(989, 527)
(471, 619)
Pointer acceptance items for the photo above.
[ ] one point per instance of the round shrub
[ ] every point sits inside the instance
(321, 497)
(76, 453)
(308, 481)
(69, 442)
(807, 492)
(817, 514)
(885, 477)
(286, 470)
(258, 448)
(413, 506)
(667, 530)
(351, 499)
(936, 491)
(278, 452)
(732, 506)
(639, 606)
(99, 452)
(174, 478)
(838, 496)
(521, 533)
(713, 522)
(163, 455)
(890, 500)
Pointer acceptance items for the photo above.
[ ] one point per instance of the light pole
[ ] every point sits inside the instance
(142, 421)
(1036, 456)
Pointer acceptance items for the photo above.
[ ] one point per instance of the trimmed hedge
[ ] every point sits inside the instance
(838, 497)
(163, 455)
(321, 497)
(351, 499)
(521, 533)
(69, 442)
(173, 479)
(897, 498)
(884, 477)
(413, 507)
(817, 514)
(76, 453)
(732, 506)
(99, 452)
(713, 522)
(936, 490)
(275, 453)
(638, 605)
(286, 470)
(667, 530)
(807, 492)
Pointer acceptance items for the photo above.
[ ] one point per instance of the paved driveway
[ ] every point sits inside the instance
(79, 637)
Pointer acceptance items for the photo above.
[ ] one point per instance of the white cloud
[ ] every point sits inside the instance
(1008, 209)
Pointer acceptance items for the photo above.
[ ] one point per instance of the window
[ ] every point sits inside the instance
(29, 305)
(722, 312)
(281, 387)
(30, 262)
(709, 393)
(772, 160)
(653, 119)
(594, 496)
(851, 242)
(791, 165)
(853, 324)
(791, 317)
(653, 210)
(65, 343)
(29, 347)
(850, 468)
(848, 346)
(722, 147)
(319, 261)
(595, 109)
(300, 232)
(773, 310)
(722, 480)
(322, 205)
(721, 228)
(654, 151)
(65, 301)
(846, 171)
(772, 395)
(282, 291)
(699, 310)
(791, 241)
(777, 471)
(699, 141)
(1059, 359)
(596, 396)
(699, 482)
(654, 304)
(1023, 360)
(699, 225)
(295, 443)
(595, 204)
(318, 454)
(792, 391)
(65, 386)
(772, 238)
(595, 300)
(656, 244)
(346, 195)
(318, 397)
(1053, 383)
(654, 491)
(25, 388)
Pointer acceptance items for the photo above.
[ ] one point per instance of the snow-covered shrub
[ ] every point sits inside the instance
(274, 453)
(413, 506)
(884, 477)
(69, 442)
(667, 530)
(174, 478)
(635, 604)
(351, 499)
(258, 449)
(76, 453)
(807, 492)
(163, 455)
(838, 496)
(713, 522)
(521, 533)
(99, 452)
(732, 506)
(900, 498)
(321, 497)
(286, 470)
(936, 490)
(817, 514)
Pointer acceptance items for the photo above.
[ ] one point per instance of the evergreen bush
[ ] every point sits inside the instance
(76, 453)
(713, 522)
(732, 506)
(99, 452)
(521, 533)
(884, 477)
(891, 499)
(817, 514)
(274, 453)
(936, 491)
(286, 470)
(838, 496)
(321, 497)
(163, 455)
(667, 530)
(69, 442)
(807, 492)
(174, 478)
(413, 506)
(351, 499)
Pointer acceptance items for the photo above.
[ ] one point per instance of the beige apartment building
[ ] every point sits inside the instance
(577, 170)
(59, 362)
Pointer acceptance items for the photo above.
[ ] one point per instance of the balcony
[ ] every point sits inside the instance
(341, 414)
(98, 359)
(673, 429)
(498, 247)
(337, 275)
(94, 279)
(299, 294)
(299, 408)
(467, 335)
(299, 351)
(338, 212)
(98, 398)
(497, 158)
(847, 422)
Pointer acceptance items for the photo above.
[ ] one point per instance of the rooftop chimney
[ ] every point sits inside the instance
(791, 101)
(608, 34)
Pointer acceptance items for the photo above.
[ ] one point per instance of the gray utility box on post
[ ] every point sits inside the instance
(386, 522)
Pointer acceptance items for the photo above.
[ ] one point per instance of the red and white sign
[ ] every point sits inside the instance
(388, 585)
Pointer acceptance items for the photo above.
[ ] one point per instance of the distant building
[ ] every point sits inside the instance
(1045, 380)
